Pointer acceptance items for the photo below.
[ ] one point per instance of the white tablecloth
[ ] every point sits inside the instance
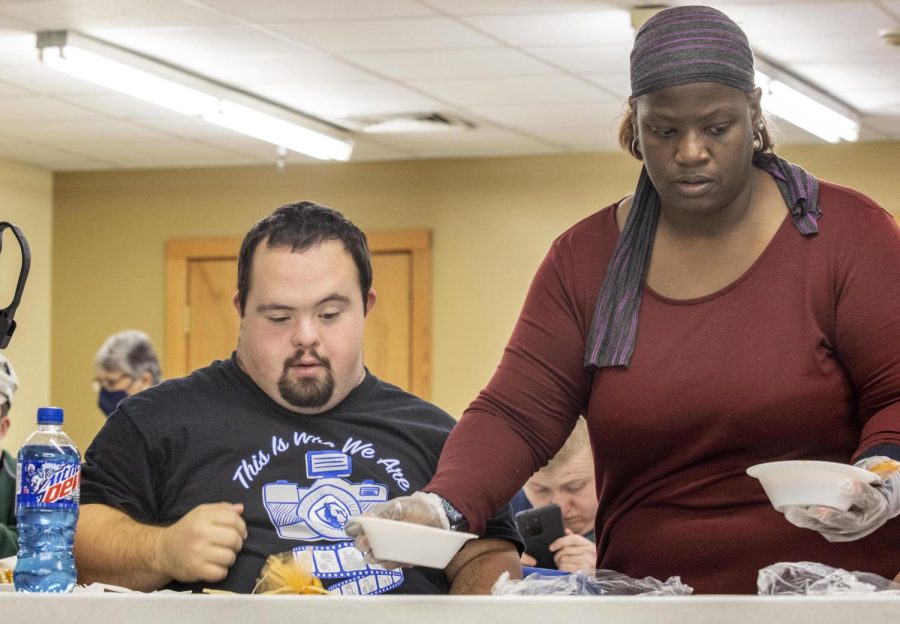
(88, 608)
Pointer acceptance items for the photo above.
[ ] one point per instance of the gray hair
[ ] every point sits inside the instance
(129, 352)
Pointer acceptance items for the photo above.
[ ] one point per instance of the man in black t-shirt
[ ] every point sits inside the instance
(194, 482)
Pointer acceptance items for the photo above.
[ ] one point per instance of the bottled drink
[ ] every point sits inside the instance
(48, 476)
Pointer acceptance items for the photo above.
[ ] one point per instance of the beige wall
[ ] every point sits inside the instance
(26, 199)
(492, 221)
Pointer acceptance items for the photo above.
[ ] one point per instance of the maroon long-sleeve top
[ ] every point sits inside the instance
(799, 358)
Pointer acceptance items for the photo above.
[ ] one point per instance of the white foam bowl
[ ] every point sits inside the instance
(807, 482)
(410, 543)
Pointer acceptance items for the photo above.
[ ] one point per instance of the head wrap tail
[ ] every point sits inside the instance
(613, 334)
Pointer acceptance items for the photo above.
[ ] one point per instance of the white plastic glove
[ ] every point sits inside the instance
(420, 508)
(872, 506)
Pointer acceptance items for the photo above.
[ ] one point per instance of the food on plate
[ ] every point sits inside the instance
(285, 573)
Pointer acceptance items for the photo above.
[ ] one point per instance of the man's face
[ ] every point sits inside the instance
(571, 486)
(302, 328)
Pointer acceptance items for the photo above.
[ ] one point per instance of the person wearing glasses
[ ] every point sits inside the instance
(9, 383)
(124, 365)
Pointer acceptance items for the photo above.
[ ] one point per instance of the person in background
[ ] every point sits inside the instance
(9, 538)
(124, 365)
(568, 481)
(195, 482)
(734, 310)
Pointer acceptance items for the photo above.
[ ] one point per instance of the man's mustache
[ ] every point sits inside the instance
(297, 358)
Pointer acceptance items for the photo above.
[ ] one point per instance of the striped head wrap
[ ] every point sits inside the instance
(681, 45)
(690, 44)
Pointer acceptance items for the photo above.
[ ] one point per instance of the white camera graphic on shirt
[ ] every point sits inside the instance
(321, 510)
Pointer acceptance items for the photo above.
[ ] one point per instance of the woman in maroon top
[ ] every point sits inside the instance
(733, 311)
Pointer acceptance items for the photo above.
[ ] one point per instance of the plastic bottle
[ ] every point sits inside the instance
(48, 476)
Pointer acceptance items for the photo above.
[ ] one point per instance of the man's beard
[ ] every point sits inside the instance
(306, 392)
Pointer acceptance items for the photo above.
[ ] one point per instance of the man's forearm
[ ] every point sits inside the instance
(112, 548)
(480, 564)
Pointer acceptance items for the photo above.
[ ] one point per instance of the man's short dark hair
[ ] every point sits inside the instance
(300, 226)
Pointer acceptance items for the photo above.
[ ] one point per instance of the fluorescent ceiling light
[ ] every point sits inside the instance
(190, 94)
(804, 106)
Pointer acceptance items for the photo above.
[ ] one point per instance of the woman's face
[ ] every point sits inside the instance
(697, 144)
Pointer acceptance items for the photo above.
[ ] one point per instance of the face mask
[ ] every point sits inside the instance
(108, 401)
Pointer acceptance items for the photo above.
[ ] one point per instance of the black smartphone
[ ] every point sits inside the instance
(539, 528)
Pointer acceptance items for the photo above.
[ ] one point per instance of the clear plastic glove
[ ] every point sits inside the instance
(420, 508)
(872, 506)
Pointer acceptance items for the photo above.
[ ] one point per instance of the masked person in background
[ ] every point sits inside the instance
(734, 310)
(195, 482)
(124, 365)
(9, 538)
(568, 481)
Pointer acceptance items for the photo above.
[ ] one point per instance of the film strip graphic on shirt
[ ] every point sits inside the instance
(344, 561)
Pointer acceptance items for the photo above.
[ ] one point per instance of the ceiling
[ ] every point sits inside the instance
(532, 76)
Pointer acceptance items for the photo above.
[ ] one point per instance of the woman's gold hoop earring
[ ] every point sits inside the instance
(635, 149)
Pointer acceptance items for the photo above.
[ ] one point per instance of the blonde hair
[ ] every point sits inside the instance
(577, 441)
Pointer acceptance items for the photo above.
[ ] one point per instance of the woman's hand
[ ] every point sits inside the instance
(872, 505)
(420, 508)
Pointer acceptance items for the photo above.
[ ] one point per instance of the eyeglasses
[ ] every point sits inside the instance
(110, 384)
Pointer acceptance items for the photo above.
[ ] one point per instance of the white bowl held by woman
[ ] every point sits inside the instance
(808, 482)
(412, 544)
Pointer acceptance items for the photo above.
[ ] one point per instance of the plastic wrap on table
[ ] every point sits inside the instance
(594, 583)
(805, 578)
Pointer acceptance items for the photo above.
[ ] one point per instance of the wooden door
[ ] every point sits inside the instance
(202, 325)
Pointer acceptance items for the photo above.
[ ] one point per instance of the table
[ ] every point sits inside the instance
(86, 608)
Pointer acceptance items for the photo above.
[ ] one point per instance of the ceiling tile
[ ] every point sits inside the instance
(48, 157)
(7, 90)
(811, 49)
(191, 128)
(63, 131)
(334, 100)
(43, 80)
(368, 151)
(612, 57)
(298, 68)
(886, 125)
(385, 35)
(873, 102)
(33, 108)
(537, 89)
(17, 48)
(158, 154)
(611, 25)
(489, 7)
(602, 115)
(847, 78)
(800, 19)
(451, 64)
(90, 15)
(265, 11)
(489, 142)
(617, 84)
(580, 139)
(182, 46)
(116, 105)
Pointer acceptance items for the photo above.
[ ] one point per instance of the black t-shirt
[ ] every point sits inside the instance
(216, 436)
